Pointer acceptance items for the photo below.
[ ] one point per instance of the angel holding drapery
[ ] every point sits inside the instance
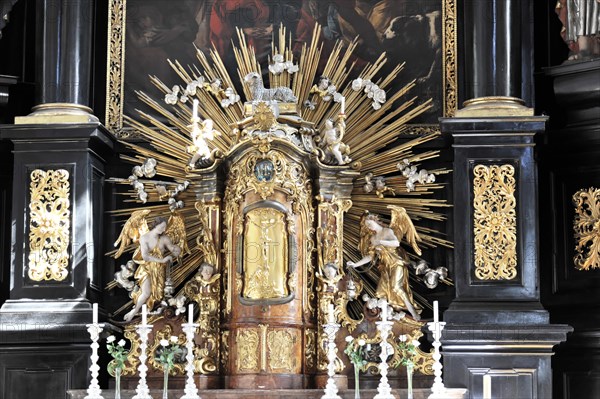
(158, 245)
(381, 245)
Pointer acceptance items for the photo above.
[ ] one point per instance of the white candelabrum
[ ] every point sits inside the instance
(191, 391)
(142, 390)
(94, 329)
(438, 390)
(384, 390)
(331, 390)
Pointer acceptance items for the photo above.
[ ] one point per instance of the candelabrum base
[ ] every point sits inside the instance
(94, 396)
(387, 394)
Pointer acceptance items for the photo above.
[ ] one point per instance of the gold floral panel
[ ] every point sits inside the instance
(586, 229)
(49, 225)
(495, 222)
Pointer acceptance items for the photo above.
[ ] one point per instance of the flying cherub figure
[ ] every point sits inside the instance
(381, 245)
(154, 242)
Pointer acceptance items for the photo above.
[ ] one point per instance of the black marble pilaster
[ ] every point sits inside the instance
(44, 341)
(64, 51)
(497, 340)
(496, 47)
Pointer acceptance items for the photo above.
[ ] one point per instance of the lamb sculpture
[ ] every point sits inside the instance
(260, 93)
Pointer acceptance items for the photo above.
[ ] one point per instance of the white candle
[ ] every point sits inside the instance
(343, 105)
(436, 316)
(195, 111)
(330, 314)
(384, 311)
(144, 319)
(191, 314)
(95, 313)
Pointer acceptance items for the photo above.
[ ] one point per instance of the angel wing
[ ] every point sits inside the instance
(176, 232)
(133, 229)
(404, 228)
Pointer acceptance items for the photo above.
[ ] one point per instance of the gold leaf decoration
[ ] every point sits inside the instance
(586, 229)
(49, 225)
(495, 222)
(247, 344)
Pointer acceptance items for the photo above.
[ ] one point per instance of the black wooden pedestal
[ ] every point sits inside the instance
(497, 341)
(44, 344)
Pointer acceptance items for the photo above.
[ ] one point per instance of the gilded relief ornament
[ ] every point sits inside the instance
(495, 222)
(586, 229)
(49, 225)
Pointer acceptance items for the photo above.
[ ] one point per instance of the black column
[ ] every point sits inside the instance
(496, 37)
(64, 36)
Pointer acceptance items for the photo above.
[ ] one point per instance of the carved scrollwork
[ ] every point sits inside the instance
(281, 344)
(495, 222)
(247, 345)
(586, 229)
(49, 225)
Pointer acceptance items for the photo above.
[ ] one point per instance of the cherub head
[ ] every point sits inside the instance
(206, 271)
(330, 271)
(323, 82)
(159, 225)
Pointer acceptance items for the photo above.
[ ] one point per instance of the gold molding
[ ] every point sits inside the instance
(49, 225)
(586, 229)
(494, 222)
(115, 67)
(449, 68)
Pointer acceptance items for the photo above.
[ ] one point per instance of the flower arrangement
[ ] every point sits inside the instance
(169, 351)
(408, 351)
(354, 351)
(118, 353)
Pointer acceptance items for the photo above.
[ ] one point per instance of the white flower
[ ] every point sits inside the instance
(276, 68)
(379, 95)
(278, 58)
(164, 343)
(376, 105)
(349, 338)
(402, 338)
(337, 97)
(171, 98)
(361, 342)
(191, 87)
(415, 343)
(357, 84)
(291, 68)
(174, 339)
(110, 339)
(121, 343)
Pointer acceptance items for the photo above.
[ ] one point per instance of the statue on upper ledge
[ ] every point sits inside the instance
(381, 245)
(581, 27)
(150, 256)
(331, 141)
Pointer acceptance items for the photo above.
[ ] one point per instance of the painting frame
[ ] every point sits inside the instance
(116, 59)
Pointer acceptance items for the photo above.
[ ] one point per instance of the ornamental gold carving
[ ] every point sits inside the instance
(281, 344)
(586, 229)
(115, 67)
(495, 222)
(265, 254)
(49, 225)
(247, 345)
(310, 349)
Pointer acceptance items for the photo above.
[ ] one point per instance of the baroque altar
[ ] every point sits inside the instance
(276, 210)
